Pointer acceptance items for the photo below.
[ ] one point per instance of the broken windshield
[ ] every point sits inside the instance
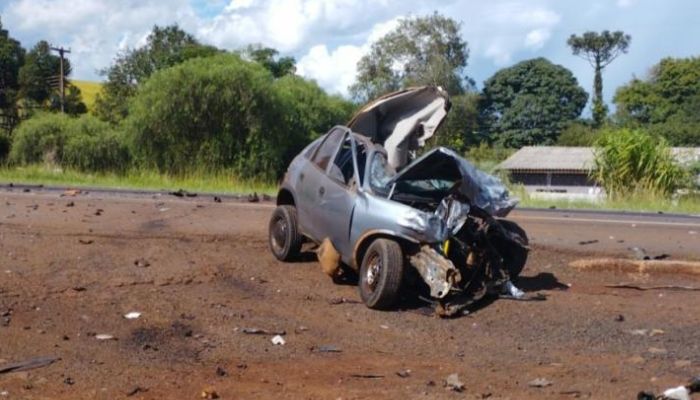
(380, 173)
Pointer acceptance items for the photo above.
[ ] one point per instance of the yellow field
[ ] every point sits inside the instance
(89, 90)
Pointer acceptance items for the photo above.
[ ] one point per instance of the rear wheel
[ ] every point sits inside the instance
(381, 274)
(284, 237)
(514, 256)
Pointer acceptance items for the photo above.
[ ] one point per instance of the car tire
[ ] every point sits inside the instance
(381, 274)
(514, 257)
(283, 233)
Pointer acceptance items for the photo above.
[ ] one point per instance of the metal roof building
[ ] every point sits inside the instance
(565, 170)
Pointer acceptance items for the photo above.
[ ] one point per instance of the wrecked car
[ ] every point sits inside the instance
(435, 220)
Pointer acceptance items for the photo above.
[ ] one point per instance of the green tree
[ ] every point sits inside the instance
(11, 60)
(231, 114)
(269, 58)
(578, 134)
(666, 103)
(599, 49)
(420, 51)
(460, 129)
(165, 47)
(530, 103)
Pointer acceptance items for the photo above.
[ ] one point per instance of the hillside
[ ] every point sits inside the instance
(89, 90)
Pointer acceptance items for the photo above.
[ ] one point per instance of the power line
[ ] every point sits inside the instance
(62, 84)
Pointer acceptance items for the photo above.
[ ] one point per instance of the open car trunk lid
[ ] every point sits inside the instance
(402, 121)
(440, 171)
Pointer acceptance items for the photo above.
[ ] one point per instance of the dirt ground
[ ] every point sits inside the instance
(200, 273)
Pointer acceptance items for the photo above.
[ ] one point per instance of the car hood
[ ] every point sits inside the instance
(441, 164)
(402, 121)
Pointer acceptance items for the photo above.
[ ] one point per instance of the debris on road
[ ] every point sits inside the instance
(327, 349)
(32, 363)
(217, 199)
(209, 394)
(587, 242)
(677, 393)
(329, 258)
(220, 371)
(367, 376)
(105, 336)
(453, 383)
(142, 263)
(182, 193)
(404, 373)
(132, 315)
(278, 340)
(625, 285)
(258, 331)
(86, 241)
(134, 390)
(71, 193)
(539, 383)
(342, 300)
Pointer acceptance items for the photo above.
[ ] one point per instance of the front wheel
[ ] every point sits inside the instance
(284, 237)
(514, 255)
(381, 274)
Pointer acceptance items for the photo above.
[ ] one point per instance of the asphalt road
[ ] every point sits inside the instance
(200, 273)
(627, 234)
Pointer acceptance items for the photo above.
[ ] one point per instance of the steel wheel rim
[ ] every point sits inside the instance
(279, 234)
(374, 269)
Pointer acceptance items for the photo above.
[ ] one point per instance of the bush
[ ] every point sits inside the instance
(84, 143)
(631, 162)
(93, 145)
(223, 112)
(40, 139)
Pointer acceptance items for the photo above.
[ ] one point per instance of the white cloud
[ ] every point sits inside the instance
(536, 38)
(94, 30)
(333, 70)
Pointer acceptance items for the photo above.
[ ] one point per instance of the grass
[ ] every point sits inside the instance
(89, 91)
(688, 204)
(136, 179)
(228, 183)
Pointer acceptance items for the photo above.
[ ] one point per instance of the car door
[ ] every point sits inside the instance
(337, 196)
(312, 185)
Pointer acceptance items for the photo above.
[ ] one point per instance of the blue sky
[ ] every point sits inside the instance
(327, 37)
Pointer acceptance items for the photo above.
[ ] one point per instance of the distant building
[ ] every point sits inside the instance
(554, 171)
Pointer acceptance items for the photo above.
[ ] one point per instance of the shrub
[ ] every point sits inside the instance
(40, 139)
(223, 112)
(93, 145)
(630, 162)
(84, 143)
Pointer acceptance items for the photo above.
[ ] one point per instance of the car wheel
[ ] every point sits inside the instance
(381, 274)
(284, 237)
(514, 257)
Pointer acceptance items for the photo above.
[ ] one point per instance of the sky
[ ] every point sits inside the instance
(328, 37)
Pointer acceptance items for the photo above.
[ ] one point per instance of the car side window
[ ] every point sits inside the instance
(343, 169)
(327, 149)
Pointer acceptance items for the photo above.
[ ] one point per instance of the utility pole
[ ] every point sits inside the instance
(61, 78)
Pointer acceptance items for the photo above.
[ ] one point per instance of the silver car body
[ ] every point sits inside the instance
(353, 206)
